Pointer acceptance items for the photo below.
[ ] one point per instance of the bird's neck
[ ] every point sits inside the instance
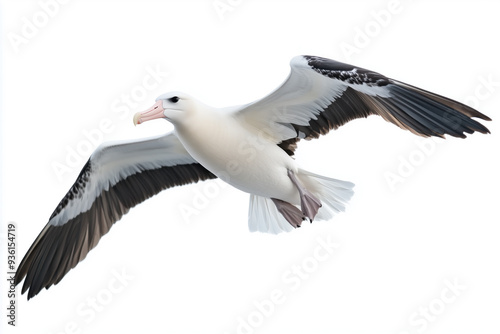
(207, 135)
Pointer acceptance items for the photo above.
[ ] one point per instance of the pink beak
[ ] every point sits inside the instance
(156, 111)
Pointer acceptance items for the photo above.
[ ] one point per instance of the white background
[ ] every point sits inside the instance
(205, 273)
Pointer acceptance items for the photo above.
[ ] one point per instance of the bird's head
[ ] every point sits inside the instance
(173, 106)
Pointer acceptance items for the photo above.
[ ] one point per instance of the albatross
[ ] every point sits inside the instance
(251, 147)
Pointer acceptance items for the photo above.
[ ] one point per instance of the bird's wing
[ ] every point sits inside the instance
(322, 94)
(117, 177)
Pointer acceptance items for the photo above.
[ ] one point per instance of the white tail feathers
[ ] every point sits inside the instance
(263, 216)
(333, 194)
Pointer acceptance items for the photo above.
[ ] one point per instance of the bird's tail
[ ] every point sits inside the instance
(263, 216)
(333, 194)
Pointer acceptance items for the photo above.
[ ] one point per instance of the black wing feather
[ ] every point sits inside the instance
(411, 108)
(58, 249)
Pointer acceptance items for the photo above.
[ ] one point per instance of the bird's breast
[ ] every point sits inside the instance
(239, 156)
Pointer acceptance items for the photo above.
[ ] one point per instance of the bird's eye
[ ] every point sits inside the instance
(174, 99)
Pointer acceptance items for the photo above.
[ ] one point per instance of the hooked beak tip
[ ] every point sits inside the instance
(156, 111)
(137, 118)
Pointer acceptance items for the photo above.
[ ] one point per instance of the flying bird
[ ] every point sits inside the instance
(251, 147)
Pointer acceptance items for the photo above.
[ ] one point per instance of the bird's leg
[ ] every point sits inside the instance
(293, 215)
(309, 203)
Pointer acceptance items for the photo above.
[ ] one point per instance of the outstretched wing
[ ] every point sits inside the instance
(322, 94)
(117, 177)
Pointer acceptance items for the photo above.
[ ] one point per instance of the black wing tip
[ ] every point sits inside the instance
(33, 287)
(459, 130)
(468, 126)
(483, 117)
(58, 249)
(18, 279)
(27, 287)
(470, 111)
(430, 114)
(31, 294)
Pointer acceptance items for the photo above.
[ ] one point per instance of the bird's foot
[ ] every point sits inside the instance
(292, 214)
(309, 203)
